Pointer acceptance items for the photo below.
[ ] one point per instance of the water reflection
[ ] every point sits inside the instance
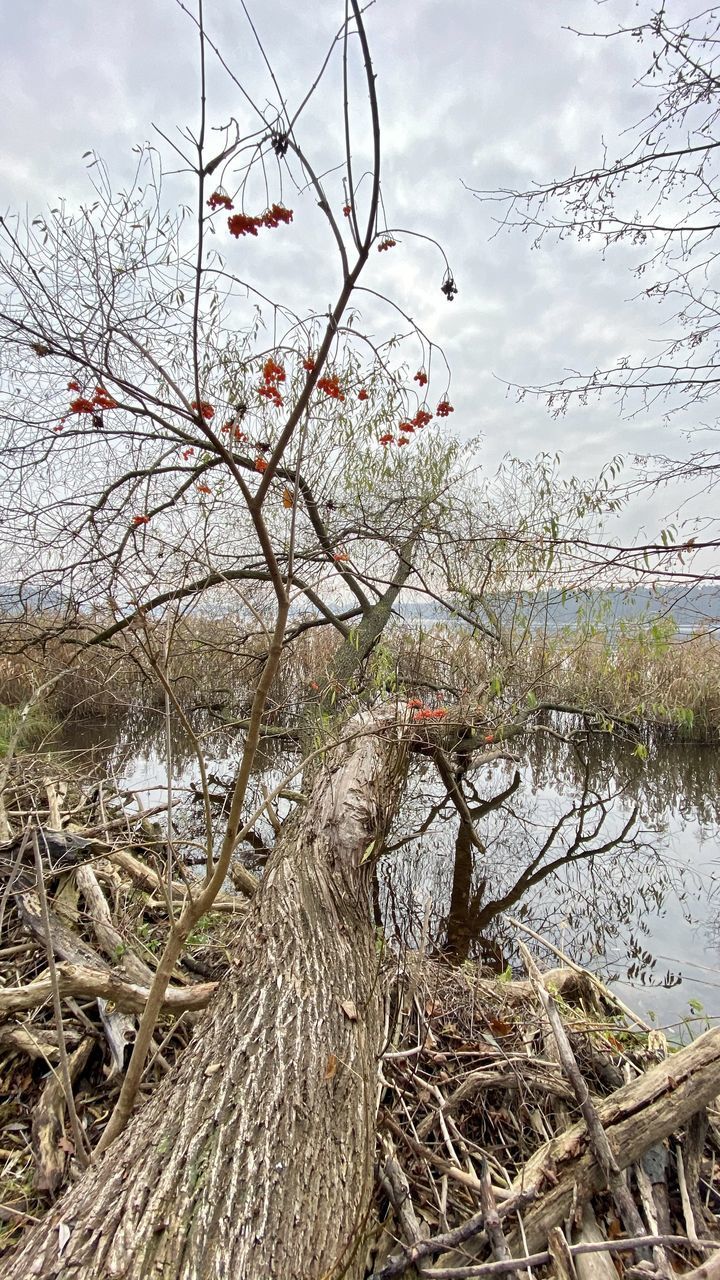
(544, 853)
(612, 858)
(607, 856)
(678, 778)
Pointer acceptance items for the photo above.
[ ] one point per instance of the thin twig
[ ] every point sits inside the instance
(503, 1268)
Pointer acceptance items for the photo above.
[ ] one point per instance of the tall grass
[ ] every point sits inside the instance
(650, 674)
(22, 732)
(210, 666)
(659, 678)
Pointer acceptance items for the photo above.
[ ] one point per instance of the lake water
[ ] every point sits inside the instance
(613, 859)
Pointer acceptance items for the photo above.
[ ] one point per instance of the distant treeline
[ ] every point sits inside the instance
(688, 608)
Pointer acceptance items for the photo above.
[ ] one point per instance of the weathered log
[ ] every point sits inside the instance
(614, 1178)
(691, 1158)
(646, 1190)
(40, 1045)
(560, 1255)
(255, 1155)
(88, 974)
(56, 793)
(592, 1266)
(5, 828)
(120, 1031)
(61, 850)
(493, 1225)
(108, 938)
(709, 1270)
(48, 1125)
(395, 1183)
(101, 984)
(65, 943)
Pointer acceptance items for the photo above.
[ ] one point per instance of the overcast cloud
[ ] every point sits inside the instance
(471, 91)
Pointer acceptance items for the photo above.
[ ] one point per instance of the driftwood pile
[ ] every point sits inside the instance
(524, 1127)
(84, 909)
(537, 1126)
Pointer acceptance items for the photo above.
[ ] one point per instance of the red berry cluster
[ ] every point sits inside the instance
(237, 434)
(331, 387)
(347, 210)
(137, 520)
(202, 407)
(101, 399)
(81, 405)
(420, 377)
(273, 375)
(243, 224)
(421, 419)
(444, 408)
(276, 214)
(407, 429)
(386, 243)
(422, 713)
(308, 363)
(261, 465)
(218, 200)
(272, 371)
(362, 394)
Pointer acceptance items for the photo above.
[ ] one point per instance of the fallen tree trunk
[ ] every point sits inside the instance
(255, 1156)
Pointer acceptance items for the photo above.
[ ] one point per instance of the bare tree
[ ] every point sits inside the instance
(170, 430)
(659, 196)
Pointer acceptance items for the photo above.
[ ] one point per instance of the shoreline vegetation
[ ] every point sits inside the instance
(519, 1121)
(650, 680)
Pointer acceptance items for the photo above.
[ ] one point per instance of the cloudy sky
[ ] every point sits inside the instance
(473, 94)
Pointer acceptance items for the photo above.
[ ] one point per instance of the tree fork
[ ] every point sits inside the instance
(255, 1156)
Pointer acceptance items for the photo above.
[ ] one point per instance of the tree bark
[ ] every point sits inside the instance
(254, 1158)
(366, 634)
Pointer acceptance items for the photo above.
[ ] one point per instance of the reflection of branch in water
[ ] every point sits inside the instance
(470, 916)
(425, 825)
(577, 862)
(681, 777)
(463, 922)
(579, 850)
